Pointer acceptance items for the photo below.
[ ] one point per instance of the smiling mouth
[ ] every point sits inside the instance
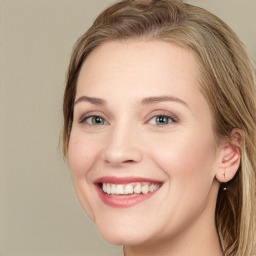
(134, 188)
(127, 191)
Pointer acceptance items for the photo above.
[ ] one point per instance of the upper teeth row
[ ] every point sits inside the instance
(121, 189)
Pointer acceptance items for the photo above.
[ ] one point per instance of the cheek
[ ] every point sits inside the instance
(185, 155)
(82, 154)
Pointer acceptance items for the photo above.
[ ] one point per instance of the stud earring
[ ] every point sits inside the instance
(225, 183)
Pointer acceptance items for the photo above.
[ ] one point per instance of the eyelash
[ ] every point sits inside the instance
(84, 119)
(171, 119)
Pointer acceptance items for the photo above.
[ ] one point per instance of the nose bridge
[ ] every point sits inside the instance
(122, 144)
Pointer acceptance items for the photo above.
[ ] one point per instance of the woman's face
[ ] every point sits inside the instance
(142, 133)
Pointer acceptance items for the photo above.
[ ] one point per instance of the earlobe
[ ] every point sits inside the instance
(229, 157)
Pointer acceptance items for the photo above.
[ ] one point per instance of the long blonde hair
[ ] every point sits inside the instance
(228, 84)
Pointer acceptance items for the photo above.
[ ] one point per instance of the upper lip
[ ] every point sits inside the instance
(124, 180)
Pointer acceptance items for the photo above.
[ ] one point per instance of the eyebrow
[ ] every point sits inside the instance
(92, 100)
(145, 101)
(152, 100)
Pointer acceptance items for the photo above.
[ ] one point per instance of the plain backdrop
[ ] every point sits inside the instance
(40, 214)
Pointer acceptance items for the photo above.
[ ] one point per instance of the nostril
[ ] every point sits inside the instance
(128, 161)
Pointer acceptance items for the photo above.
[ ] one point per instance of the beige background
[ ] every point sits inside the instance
(40, 214)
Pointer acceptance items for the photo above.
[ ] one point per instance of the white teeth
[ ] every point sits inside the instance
(108, 189)
(119, 189)
(112, 189)
(154, 187)
(137, 189)
(126, 189)
(145, 189)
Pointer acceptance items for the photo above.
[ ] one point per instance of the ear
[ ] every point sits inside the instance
(229, 156)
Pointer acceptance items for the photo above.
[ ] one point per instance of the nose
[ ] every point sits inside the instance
(122, 147)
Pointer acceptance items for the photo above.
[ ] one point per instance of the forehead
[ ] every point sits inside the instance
(140, 67)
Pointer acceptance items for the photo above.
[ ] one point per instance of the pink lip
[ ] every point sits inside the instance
(123, 201)
(124, 180)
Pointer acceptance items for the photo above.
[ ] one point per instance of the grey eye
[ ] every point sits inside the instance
(96, 120)
(161, 120)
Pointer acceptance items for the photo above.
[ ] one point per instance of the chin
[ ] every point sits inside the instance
(121, 234)
(121, 239)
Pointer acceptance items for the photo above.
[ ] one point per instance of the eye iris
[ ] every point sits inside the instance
(97, 120)
(162, 120)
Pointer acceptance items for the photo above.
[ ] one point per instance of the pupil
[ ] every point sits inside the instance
(97, 120)
(162, 119)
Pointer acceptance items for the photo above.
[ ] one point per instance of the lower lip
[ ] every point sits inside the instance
(123, 201)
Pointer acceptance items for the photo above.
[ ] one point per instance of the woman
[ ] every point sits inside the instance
(160, 130)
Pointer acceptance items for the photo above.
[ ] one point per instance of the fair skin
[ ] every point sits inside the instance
(139, 115)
